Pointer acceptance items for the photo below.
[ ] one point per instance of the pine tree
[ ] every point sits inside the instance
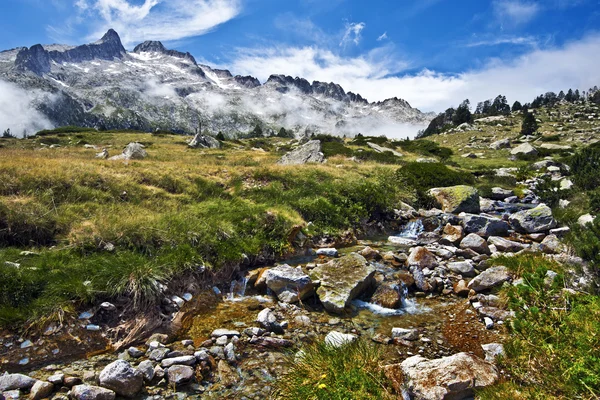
(220, 136)
(516, 106)
(529, 125)
(462, 114)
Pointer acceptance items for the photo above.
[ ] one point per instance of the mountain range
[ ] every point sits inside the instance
(103, 85)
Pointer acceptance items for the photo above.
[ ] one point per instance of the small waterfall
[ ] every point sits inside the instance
(237, 289)
(412, 230)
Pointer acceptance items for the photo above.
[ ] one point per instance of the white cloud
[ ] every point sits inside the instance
(17, 112)
(382, 37)
(377, 77)
(515, 40)
(352, 33)
(515, 12)
(156, 19)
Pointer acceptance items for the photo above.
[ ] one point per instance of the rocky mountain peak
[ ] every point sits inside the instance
(111, 36)
(34, 59)
(150, 46)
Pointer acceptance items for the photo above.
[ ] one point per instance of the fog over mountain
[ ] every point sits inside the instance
(103, 85)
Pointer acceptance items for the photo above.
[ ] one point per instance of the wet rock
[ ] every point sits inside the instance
(405, 334)
(88, 392)
(224, 332)
(402, 241)
(227, 375)
(289, 284)
(369, 253)
(122, 378)
(489, 278)
(421, 281)
(180, 374)
(204, 141)
(338, 339)
(160, 338)
(492, 351)
(454, 377)
(183, 360)
(452, 234)
(327, 252)
(538, 219)
(133, 151)
(147, 369)
(422, 258)
(494, 313)
(457, 199)
(388, 295)
(15, 381)
(484, 225)
(230, 352)
(476, 243)
(41, 390)
(309, 152)
(506, 245)
(267, 319)
(342, 280)
(271, 342)
(464, 268)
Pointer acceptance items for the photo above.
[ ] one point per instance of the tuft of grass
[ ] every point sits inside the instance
(323, 372)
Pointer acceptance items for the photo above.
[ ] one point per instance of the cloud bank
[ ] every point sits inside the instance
(17, 112)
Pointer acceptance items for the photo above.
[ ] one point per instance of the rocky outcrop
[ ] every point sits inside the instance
(454, 377)
(151, 46)
(34, 59)
(289, 284)
(204, 141)
(307, 153)
(342, 280)
(457, 199)
(538, 219)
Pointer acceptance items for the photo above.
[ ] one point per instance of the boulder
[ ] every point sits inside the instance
(454, 377)
(204, 141)
(484, 225)
(309, 152)
(133, 151)
(551, 245)
(500, 144)
(342, 280)
(492, 351)
(460, 288)
(180, 374)
(499, 193)
(381, 149)
(457, 199)
(422, 258)
(227, 375)
(289, 284)
(338, 339)
(388, 295)
(476, 243)
(181, 360)
(489, 278)
(452, 234)
(506, 245)
(405, 334)
(120, 377)
(419, 277)
(88, 392)
(15, 382)
(224, 332)
(464, 268)
(327, 252)
(535, 220)
(147, 369)
(41, 390)
(586, 219)
(525, 150)
(267, 319)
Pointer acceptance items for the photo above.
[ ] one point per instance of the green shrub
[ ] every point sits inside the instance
(64, 129)
(426, 148)
(323, 372)
(363, 140)
(424, 176)
(585, 167)
(335, 148)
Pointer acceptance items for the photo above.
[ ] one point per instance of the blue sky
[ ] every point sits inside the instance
(433, 53)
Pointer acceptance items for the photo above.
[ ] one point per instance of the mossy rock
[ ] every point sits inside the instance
(457, 199)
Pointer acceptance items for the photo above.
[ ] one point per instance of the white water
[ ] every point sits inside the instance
(412, 230)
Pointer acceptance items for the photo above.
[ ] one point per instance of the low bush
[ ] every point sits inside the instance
(426, 148)
(424, 176)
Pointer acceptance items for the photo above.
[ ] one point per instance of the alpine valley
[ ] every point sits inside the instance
(102, 85)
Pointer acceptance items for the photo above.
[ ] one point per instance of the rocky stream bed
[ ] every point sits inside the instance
(427, 295)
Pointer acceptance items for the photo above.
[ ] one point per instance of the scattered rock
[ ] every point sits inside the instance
(499, 193)
(492, 351)
(500, 144)
(338, 339)
(227, 375)
(422, 258)
(506, 245)
(88, 392)
(476, 243)
(204, 141)
(307, 153)
(267, 319)
(453, 377)
(342, 280)
(457, 199)
(381, 149)
(453, 234)
(388, 295)
(586, 219)
(133, 151)
(15, 381)
(182, 360)
(405, 334)
(538, 219)
(181, 374)
(551, 245)
(41, 390)
(464, 268)
(525, 149)
(489, 278)
(147, 369)
(484, 225)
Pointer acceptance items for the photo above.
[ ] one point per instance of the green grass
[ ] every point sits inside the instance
(323, 372)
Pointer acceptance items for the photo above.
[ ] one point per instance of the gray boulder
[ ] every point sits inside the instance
(289, 284)
(147, 369)
(41, 390)
(506, 245)
(489, 278)
(88, 392)
(133, 151)
(307, 153)
(122, 378)
(342, 280)
(182, 360)
(267, 319)
(204, 141)
(457, 199)
(500, 144)
(499, 193)
(454, 377)
(180, 374)
(535, 220)
(464, 268)
(15, 381)
(551, 245)
(476, 243)
(484, 226)
(422, 258)
(381, 149)
(525, 149)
